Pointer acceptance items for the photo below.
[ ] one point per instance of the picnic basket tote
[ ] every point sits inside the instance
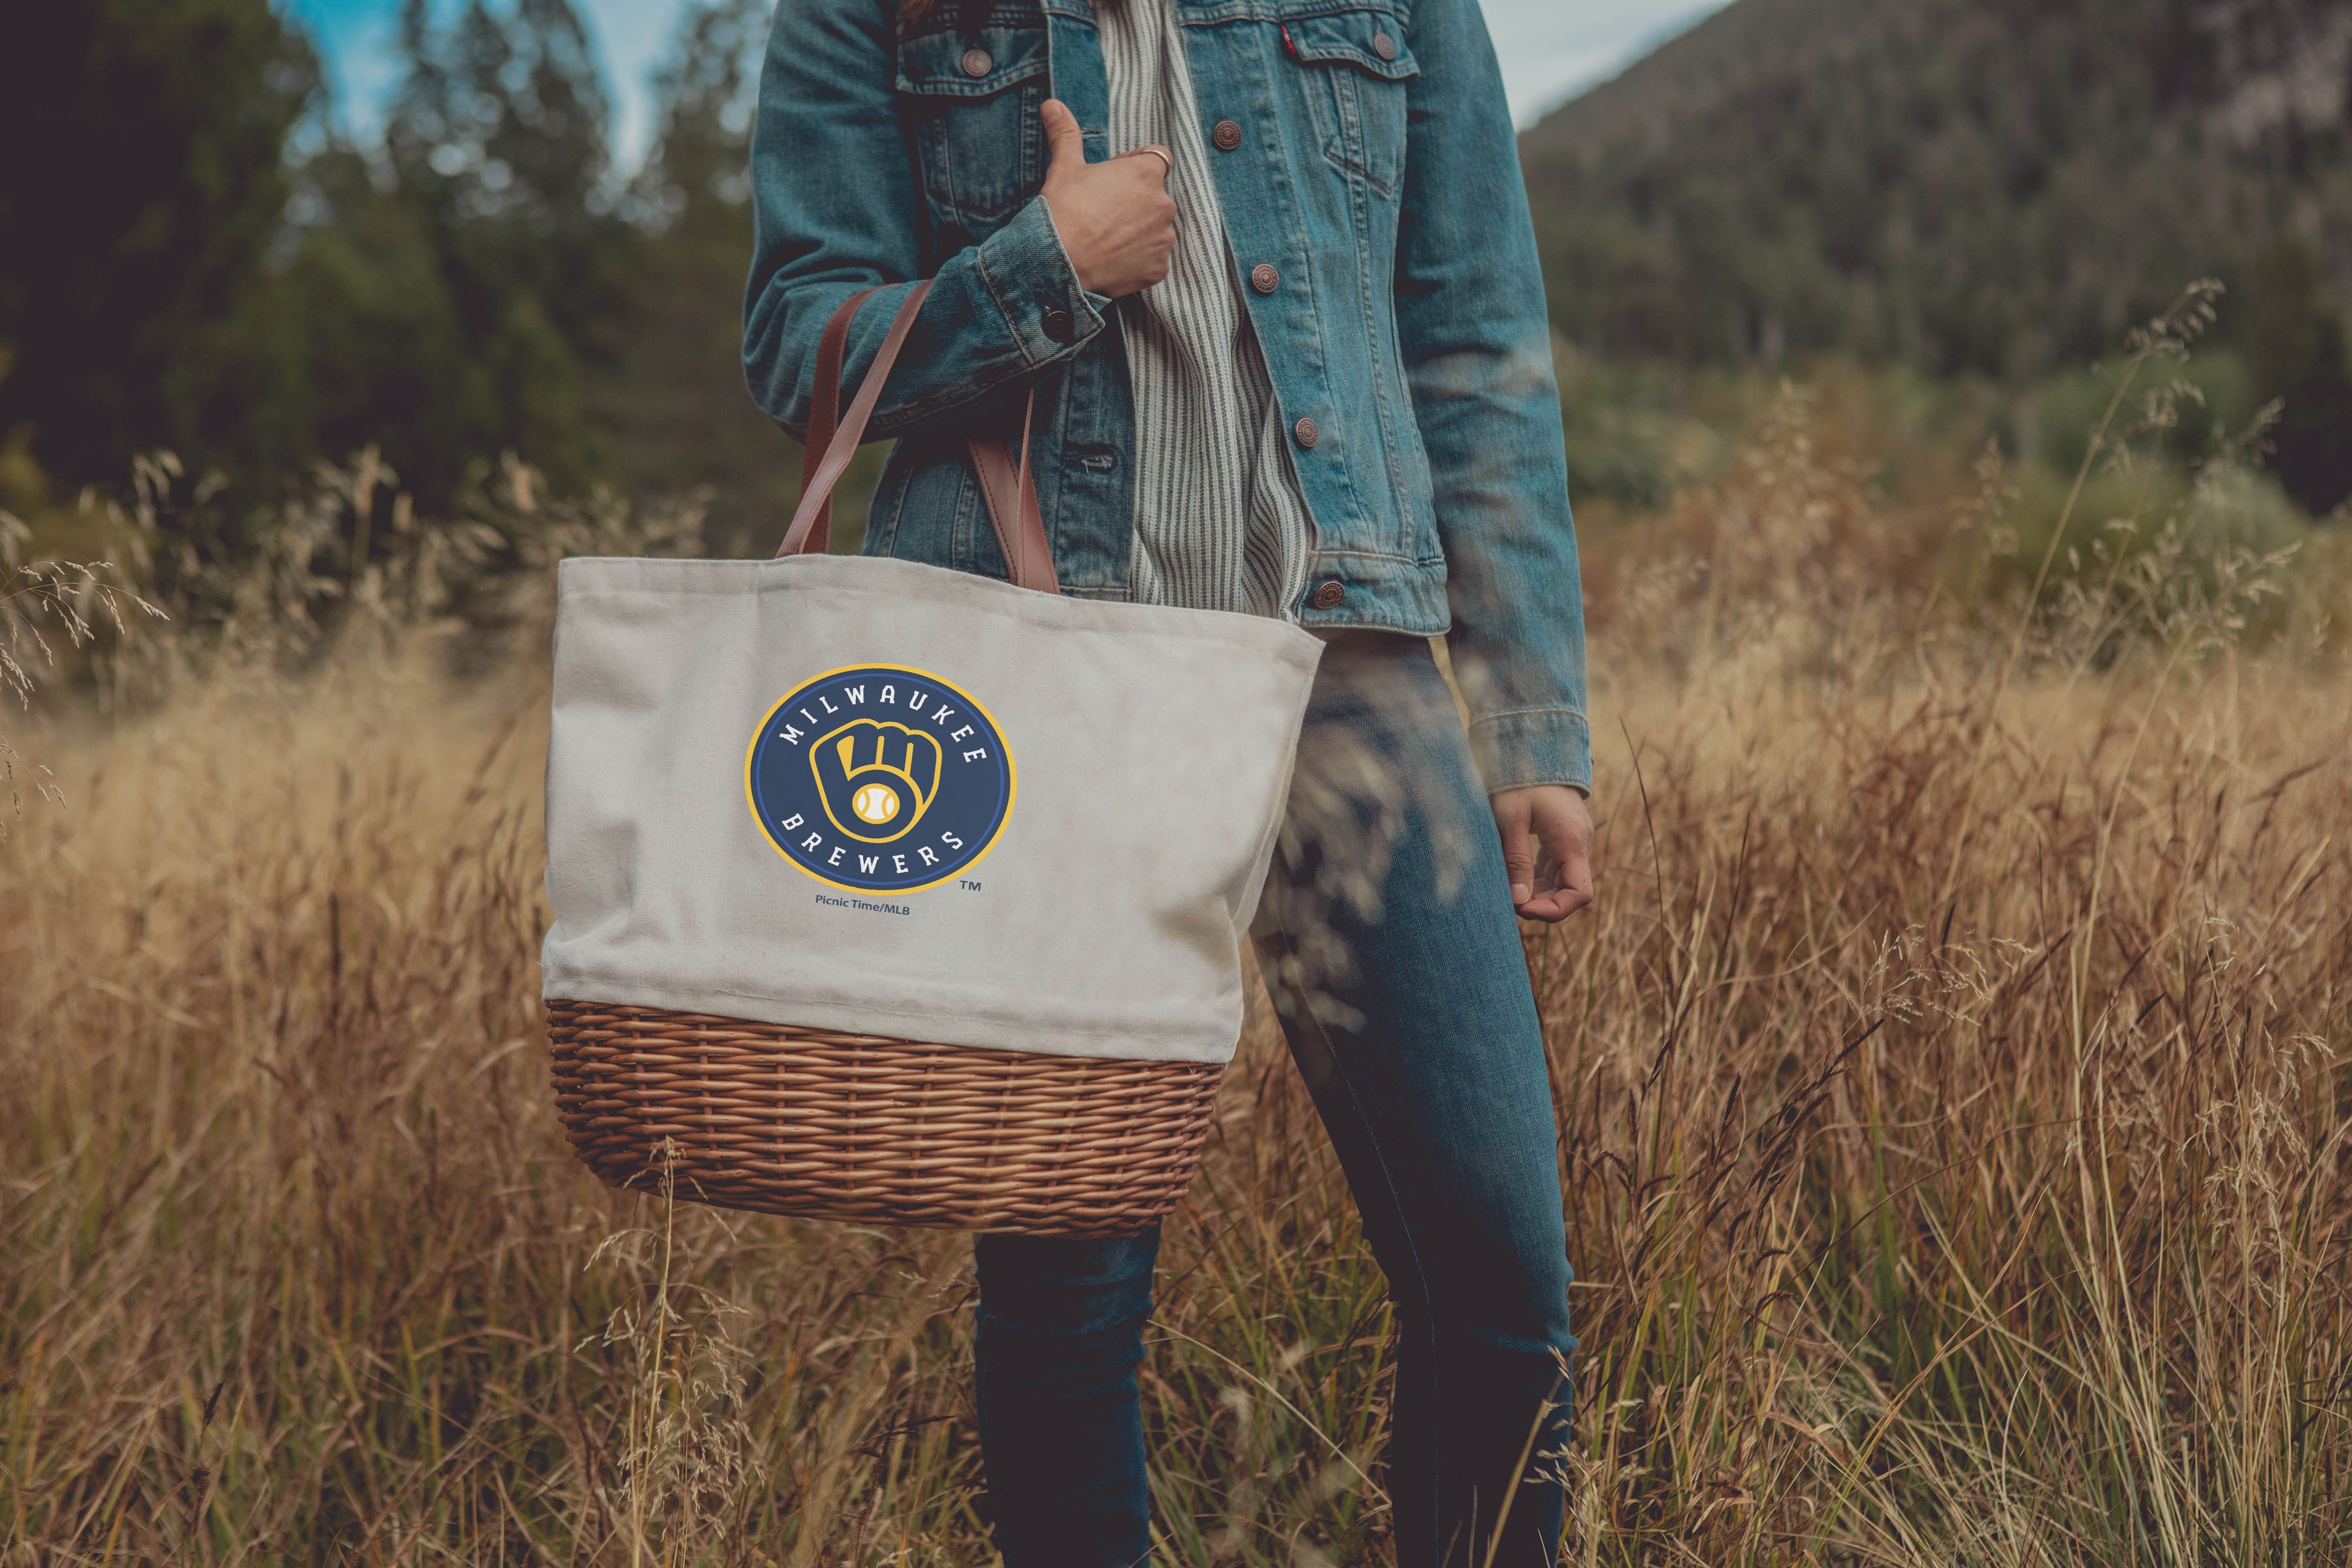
(899, 895)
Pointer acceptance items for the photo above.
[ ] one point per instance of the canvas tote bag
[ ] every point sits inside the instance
(893, 893)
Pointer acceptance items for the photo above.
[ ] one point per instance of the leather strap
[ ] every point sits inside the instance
(1010, 491)
(816, 490)
(1006, 484)
(825, 410)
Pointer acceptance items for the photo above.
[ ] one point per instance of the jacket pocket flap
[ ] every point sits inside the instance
(957, 65)
(1372, 41)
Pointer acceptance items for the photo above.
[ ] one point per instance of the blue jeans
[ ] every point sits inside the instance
(1388, 941)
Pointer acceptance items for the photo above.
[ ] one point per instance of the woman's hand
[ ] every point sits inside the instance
(1117, 220)
(1557, 816)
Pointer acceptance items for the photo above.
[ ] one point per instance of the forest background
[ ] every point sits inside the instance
(1951, 210)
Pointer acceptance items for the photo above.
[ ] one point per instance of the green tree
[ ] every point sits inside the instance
(675, 400)
(143, 185)
(497, 142)
(371, 348)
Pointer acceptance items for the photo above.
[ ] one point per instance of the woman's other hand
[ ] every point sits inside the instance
(1117, 220)
(1555, 815)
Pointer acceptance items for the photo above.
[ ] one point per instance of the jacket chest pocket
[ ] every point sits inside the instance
(1356, 67)
(971, 103)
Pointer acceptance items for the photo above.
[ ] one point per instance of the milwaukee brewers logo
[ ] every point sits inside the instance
(880, 778)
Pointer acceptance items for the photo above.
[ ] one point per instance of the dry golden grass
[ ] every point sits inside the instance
(1952, 1085)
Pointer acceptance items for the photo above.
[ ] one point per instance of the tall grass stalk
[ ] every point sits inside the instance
(2167, 337)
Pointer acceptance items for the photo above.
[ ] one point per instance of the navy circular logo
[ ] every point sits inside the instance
(879, 778)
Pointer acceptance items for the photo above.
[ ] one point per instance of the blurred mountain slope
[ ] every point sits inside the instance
(1968, 186)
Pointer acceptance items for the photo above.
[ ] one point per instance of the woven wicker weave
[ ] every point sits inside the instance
(852, 1127)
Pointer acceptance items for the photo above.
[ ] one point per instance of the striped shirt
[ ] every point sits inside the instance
(1219, 522)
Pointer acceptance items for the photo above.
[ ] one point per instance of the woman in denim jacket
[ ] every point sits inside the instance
(1267, 266)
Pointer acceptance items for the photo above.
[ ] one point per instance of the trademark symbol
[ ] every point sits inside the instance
(966, 884)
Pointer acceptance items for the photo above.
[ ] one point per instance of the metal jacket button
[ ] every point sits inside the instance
(976, 62)
(1382, 45)
(1265, 279)
(1227, 135)
(1059, 326)
(1330, 596)
(1307, 431)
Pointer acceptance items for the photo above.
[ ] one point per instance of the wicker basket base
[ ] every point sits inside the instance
(854, 1127)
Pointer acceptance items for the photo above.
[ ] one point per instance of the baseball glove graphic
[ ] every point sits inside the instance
(875, 778)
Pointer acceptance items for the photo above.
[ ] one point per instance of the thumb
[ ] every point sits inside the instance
(1064, 143)
(1518, 852)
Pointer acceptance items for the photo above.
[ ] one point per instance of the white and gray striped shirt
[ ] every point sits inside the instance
(1219, 523)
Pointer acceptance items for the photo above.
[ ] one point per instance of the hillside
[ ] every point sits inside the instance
(1997, 187)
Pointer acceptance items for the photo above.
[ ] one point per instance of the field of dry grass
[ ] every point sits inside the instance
(1957, 1125)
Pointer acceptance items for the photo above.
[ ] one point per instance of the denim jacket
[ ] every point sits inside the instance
(1364, 160)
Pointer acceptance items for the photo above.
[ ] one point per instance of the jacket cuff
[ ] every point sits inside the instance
(1533, 746)
(1028, 274)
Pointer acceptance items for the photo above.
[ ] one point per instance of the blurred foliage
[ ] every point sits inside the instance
(2215, 398)
(2300, 357)
(451, 291)
(676, 406)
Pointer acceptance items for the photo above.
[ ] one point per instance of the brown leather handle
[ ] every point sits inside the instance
(823, 410)
(817, 489)
(1010, 491)
(1005, 484)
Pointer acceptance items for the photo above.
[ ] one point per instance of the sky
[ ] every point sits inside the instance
(1549, 48)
